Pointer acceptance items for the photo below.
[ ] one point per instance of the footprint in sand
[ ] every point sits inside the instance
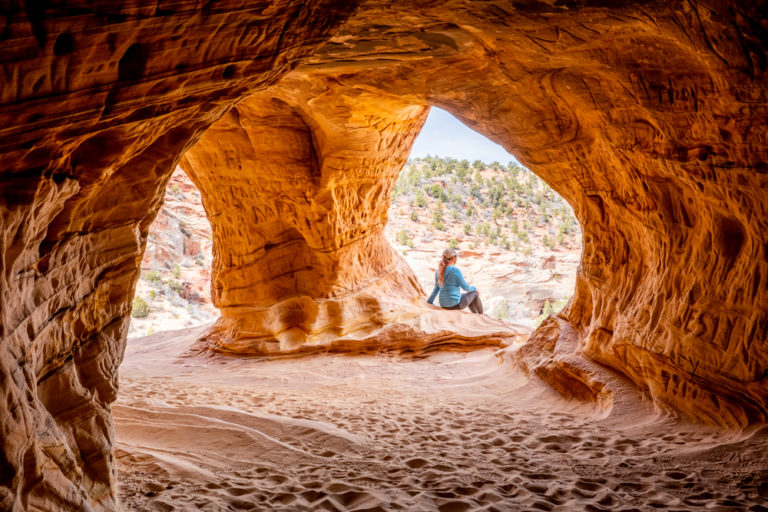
(241, 491)
(589, 485)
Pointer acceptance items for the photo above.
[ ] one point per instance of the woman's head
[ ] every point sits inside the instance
(449, 254)
(449, 258)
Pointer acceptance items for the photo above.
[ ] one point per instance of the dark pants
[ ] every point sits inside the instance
(471, 299)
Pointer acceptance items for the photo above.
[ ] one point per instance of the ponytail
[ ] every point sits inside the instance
(448, 255)
(443, 263)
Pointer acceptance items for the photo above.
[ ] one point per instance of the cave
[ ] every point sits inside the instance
(647, 117)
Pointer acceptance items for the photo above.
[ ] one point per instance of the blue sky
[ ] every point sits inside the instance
(444, 135)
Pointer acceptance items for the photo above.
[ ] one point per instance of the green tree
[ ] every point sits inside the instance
(437, 218)
(496, 194)
(476, 191)
(402, 237)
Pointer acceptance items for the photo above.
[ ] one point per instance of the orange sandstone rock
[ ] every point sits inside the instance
(650, 122)
(297, 189)
(648, 117)
(98, 102)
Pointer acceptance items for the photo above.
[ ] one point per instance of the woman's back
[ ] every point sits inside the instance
(453, 282)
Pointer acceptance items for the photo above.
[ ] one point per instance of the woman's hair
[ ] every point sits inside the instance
(448, 255)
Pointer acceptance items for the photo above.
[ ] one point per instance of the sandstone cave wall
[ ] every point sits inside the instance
(648, 117)
(651, 121)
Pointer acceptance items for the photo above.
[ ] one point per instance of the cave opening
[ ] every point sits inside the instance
(518, 240)
(174, 287)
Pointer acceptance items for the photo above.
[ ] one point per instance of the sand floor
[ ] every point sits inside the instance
(449, 432)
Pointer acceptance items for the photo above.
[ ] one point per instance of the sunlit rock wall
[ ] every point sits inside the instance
(648, 117)
(296, 182)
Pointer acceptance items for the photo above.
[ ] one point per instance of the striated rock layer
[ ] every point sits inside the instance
(648, 117)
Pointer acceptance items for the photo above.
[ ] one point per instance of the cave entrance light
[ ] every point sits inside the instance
(519, 241)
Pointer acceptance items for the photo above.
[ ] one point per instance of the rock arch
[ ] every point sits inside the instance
(648, 117)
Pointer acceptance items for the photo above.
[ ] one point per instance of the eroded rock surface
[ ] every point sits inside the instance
(648, 117)
(296, 183)
(650, 122)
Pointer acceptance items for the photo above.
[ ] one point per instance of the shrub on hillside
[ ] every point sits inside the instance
(175, 285)
(140, 308)
(153, 277)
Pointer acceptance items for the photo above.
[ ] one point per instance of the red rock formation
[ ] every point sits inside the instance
(648, 117)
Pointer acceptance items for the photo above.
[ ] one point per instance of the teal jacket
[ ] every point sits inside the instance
(450, 294)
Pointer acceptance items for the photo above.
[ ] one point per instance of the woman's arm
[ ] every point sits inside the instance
(463, 283)
(434, 291)
(433, 294)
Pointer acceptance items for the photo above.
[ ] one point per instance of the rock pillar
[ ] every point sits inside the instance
(296, 184)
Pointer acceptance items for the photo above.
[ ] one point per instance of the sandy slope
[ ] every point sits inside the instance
(449, 432)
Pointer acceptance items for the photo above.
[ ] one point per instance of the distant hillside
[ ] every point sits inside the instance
(519, 242)
(174, 289)
(477, 205)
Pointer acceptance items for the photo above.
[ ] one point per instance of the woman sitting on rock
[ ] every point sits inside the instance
(448, 280)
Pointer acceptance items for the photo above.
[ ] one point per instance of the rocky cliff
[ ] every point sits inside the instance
(648, 117)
